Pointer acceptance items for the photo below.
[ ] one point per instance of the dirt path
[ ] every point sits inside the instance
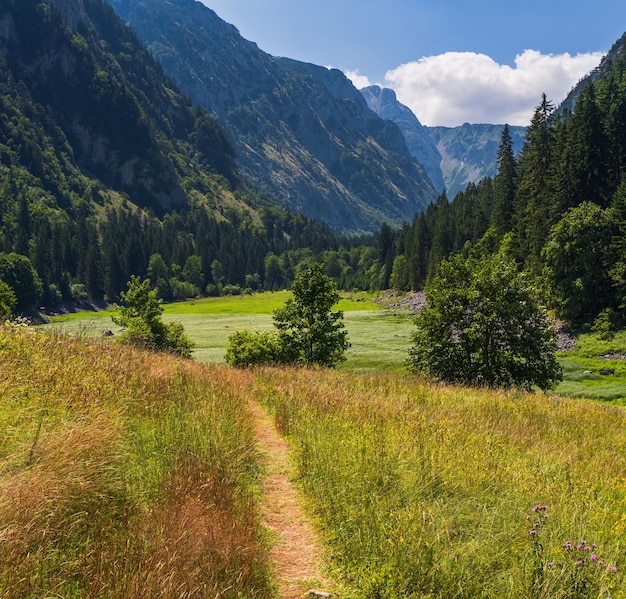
(296, 549)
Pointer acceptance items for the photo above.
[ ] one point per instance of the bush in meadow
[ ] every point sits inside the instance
(482, 325)
(141, 317)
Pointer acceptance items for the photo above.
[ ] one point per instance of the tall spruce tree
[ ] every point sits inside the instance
(534, 210)
(586, 154)
(505, 185)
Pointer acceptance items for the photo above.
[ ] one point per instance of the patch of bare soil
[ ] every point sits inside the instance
(296, 552)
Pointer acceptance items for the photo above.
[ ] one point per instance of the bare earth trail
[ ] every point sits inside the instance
(296, 551)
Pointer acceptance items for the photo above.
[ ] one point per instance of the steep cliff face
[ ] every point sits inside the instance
(452, 156)
(302, 133)
(384, 103)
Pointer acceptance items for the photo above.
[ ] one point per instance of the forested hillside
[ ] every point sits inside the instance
(105, 167)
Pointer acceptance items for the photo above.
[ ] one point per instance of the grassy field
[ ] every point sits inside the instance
(124, 474)
(583, 366)
(130, 474)
(380, 338)
(432, 492)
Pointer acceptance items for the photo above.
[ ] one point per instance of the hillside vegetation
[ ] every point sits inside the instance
(124, 474)
(302, 133)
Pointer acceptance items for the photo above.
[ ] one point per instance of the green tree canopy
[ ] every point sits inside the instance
(307, 331)
(577, 257)
(18, 273)
(483, 326)
(141, 316)
(7, 301)
(310, 332)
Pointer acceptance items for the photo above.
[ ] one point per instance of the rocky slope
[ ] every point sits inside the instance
(301, 132)
(469, 152)
(384, 103)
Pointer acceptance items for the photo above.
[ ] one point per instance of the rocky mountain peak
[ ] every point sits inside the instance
(384, 103)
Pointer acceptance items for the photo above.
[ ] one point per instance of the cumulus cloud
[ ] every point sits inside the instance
(458, 87)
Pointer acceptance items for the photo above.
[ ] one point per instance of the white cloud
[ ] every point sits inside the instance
(457, 87)
(359, 81)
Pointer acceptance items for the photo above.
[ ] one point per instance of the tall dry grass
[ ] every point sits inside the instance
(124, 474)
(428, 491)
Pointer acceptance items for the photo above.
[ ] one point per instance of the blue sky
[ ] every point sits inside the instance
(451, 61)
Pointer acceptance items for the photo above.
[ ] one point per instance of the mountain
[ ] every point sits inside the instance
(108, 171)
(301, 132)
(469, 152)
(452, 156)
(384, 103)
(102, 105)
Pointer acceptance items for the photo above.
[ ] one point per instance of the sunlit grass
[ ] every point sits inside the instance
(589, 371)
(380, 338)
(423, 491)
(135, 473)
(124, 474)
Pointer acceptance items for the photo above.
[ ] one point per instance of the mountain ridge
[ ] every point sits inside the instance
(452, 156)
(301, 132)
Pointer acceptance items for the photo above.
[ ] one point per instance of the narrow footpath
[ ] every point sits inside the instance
(296, 550)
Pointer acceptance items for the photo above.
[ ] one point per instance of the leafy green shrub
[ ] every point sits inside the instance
(212, 290)
(141, 317)
(231, 290)
(606, 324)
(7, 301)
(483, 326)
(79, 293)
(246, 348)
(183, 289)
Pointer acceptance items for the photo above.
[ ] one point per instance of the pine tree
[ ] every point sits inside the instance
(534, 211)
(586, 152)
(505, 185)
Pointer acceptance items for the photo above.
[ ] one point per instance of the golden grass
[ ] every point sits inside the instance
(423, 491)
(131, 474)
(124, 474)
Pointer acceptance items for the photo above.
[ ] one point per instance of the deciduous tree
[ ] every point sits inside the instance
(483, 326)
(310, 332)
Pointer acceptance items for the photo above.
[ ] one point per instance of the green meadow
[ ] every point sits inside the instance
(380, 337)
